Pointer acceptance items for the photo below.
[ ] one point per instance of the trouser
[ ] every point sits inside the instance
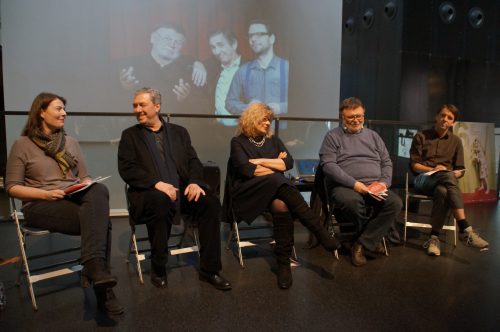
(372, 226)
(158, 213)
(85, 214)
(443, 186)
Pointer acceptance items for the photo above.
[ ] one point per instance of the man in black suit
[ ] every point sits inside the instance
(165, 177)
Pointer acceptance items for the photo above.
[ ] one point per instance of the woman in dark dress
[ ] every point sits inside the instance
(258, 159)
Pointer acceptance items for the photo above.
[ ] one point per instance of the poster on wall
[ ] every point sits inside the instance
(479, 182)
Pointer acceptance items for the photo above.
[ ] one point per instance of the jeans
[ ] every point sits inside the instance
(374, 226)
(85, 213)
(443, 186)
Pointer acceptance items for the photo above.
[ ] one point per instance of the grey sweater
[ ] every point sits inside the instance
(347, 158)
(28, 165)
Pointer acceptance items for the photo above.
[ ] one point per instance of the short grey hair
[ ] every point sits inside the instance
(153, 93)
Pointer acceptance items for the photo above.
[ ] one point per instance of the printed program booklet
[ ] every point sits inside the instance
(445, 170)
(377, 190)
(77, 187)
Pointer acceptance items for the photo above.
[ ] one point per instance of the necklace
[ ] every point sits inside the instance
(257, 144)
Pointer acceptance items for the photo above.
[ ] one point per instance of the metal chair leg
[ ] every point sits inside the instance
(197, 243)
(137, 259)
(240, 255)
(385, 246)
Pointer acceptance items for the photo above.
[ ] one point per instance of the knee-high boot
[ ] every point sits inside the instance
(283, 236)
(300, 210)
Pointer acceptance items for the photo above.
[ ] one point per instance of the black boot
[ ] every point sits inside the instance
(107, 301)
(283, 236)
(300, 210)
(95, 271)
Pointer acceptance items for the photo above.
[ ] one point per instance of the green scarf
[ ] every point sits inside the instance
(55, 146)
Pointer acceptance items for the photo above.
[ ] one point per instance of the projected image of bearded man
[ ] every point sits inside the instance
(264, 79)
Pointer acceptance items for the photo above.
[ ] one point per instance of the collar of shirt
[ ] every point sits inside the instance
(347, 131)
(158, 131)
(273, 64)
(235, 64)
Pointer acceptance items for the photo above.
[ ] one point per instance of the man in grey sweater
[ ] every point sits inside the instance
(357, 166)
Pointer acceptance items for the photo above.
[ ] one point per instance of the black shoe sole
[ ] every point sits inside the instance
(285, 286)
(106, 283)
(159, 284)
(118, 312)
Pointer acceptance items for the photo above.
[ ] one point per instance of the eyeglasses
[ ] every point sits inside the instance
(172, 41)
(355, 117)
(257, 34)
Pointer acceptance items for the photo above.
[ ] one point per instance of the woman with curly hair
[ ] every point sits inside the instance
(259, 160)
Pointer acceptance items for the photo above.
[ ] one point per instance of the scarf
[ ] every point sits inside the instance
(55, 146)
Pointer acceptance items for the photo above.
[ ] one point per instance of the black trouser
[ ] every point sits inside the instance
(158, 213)
(443, 186)
(85, 213)
(372, 227)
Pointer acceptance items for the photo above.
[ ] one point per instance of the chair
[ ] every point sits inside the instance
(32, 275)
(175, 249)
(236, 232)
(337, 225)
(411, 195)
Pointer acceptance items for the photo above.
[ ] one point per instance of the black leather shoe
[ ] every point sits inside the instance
(285, 279)
(159, 281)
(107, 301)
(330, 243)
(357, 254)
(216, 280)
(96, 272)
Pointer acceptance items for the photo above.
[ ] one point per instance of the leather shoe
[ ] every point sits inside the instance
(285, 279)
(107, 301)
(378, 251)
(95, 271)
(357, 254)
(159, 281)
(330, 243)
(216, 280)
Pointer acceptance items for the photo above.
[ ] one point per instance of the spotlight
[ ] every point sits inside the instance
(476, 17)
(349, 25)
(390, 10)
(447, 12)
(368, 18)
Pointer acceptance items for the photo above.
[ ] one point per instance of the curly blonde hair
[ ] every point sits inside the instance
(250, 118)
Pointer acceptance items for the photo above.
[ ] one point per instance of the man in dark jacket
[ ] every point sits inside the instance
(165, 176)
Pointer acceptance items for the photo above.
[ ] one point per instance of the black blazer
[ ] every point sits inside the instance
(137, 168)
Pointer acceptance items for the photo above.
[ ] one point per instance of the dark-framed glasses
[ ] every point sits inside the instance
(355, 117)
(257, 34)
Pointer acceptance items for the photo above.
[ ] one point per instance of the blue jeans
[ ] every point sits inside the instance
(443, 186)
(374, 226)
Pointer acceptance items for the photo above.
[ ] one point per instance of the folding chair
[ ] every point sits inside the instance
(236, 232)
(175, 249)
(337, 225)
(411, 195)
(32, 275)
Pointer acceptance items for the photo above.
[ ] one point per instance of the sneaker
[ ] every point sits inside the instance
(473, 239)
(432, 246)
